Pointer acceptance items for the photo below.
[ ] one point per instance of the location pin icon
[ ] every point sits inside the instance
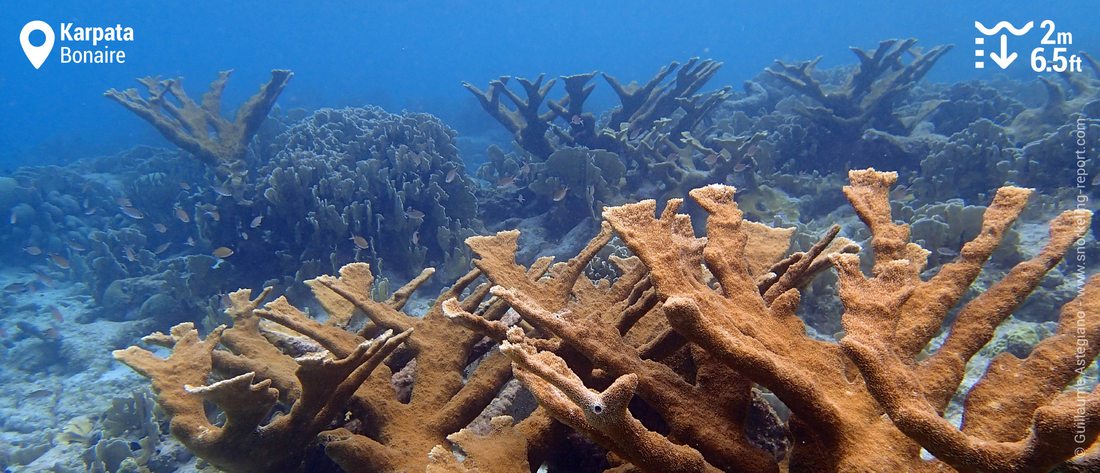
(36, 54)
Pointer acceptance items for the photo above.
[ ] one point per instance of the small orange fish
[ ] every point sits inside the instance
(163, 246)
(182, 215)
(32, 250)
(215, 215)
(451, 175)
(256, 221)
(711, 159)
(740, 167)
(132, 212)
(560, 194)
(752, 151)
(222, 252)
(56, 313)
(185, 186)
(506, 181)
(160, 228)
(124, 202)
(51, 333)
(413, 213)
(359, 241)
(60, 261)
(76, 246)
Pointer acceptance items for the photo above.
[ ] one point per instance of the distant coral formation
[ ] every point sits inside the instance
(660, 364)
(650, 133)
(198, 127)
(395, 181)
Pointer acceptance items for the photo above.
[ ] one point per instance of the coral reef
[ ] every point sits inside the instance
(688, 326)
(837, 416)
(733, 331)
(188, 124)
(1017, 417)
(650, 131)
(566, 123)
(395, 181)
(870, 93)
(1084, 92)
(329, 382)
(868, 100)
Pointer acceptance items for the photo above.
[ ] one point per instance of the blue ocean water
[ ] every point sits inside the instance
(109, 231)
(413, 55)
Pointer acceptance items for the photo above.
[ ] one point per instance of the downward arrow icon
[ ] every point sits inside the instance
(1004, 59)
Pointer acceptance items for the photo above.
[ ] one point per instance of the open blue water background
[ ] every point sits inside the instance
(414, 54)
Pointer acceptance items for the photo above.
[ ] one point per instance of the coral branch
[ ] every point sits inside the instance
(189, 124)
(603, 416)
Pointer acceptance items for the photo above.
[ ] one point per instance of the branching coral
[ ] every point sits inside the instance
(659, 365)
(189, 124)
(837, 415)
(182, 384)
(1017, 417)
(620, 330)
(867, 99)
(641, 107)
(868, 393)
(285, 381)
(1084, 89)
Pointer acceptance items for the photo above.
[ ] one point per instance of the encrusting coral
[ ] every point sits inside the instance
(660, 366)
(189, 124)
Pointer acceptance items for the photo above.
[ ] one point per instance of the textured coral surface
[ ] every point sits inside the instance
(663, 367)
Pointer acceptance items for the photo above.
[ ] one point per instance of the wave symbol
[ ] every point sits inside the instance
(1004, 25)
